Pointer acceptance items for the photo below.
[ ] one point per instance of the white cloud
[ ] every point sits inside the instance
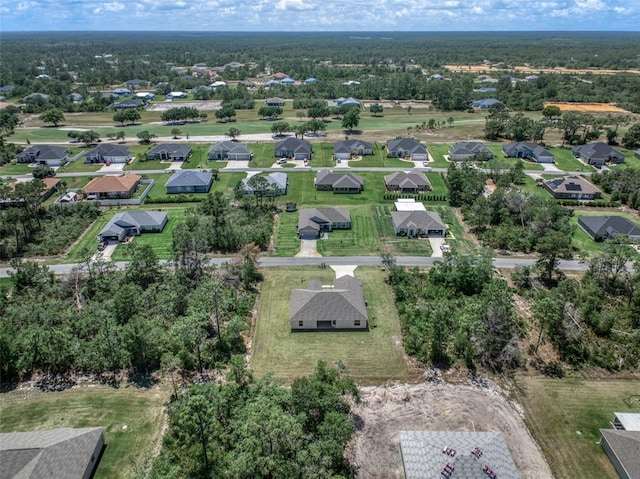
(292, 5)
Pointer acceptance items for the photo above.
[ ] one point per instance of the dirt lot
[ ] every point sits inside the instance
(375, 448)
(588, 107)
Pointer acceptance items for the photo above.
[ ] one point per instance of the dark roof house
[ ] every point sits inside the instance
(313, 221)
(456, 454)
(275, 101)
(529, 151)
(189, 181)
(339, 307)
(604, 227)
(108, 152)
(133, 223)
(343, 150)
(597, 154)
(469, 150)
(407, 148)
(63, 453)
(623, 449)
(572, 187)
(485, 103)
(412, 182)
(170, 152)
(229, 150)
(414, 223)
(127, 104)
(44, 155)
(293, 148)
(326, 180)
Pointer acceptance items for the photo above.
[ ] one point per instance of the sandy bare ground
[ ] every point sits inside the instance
(375, 447)
(589, 107)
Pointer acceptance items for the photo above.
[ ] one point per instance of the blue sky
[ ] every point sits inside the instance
(320, 15)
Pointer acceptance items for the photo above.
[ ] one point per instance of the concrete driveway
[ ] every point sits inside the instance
(237, 164)
(105, 254)
(436, 244)
(116, 168)
(308, 249)
(551, 167)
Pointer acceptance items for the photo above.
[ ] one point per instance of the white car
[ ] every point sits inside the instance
(281, 162)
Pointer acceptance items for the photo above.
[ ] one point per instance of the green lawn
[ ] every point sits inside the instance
(567, 162)
(372, 357)
(15, 169)
(133, 419)
(79, 166)
(438, 152)
(565, 415)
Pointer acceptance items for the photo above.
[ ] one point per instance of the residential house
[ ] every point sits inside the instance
(75, 97)
(528, 151)
(176, 94)
(293, 148)
(136, 82)
(170, 152)
(412, 182)
(229, 150)
(133, 223)
(344, 102)
(276, 184)
(314, 221)
(6, 89)
(122, 91)
(44, 155)
(340, 306)
(485, 103)
(326, 180)
(112, 187)
(470, 150)
(145, 95)
(288, 80)
(415, 223)
(36, 96)
(622, 444)
(189, 181)
(407, 148)
(606, 227)
(471, 454)
(64, 453)
(572, 187)
(108, 153)
(51, 186)
(344, 150)
(597, 154)
(279, 76)
(127, 105)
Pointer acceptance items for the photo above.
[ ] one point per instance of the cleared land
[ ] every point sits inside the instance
(384, 412)
(372, 357)
(565, 415)
(133, 419)
(588, 107)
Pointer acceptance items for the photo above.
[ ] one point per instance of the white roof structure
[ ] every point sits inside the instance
(629, 421)
(409, 204)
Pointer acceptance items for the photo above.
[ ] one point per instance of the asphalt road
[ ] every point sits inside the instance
(269, 262)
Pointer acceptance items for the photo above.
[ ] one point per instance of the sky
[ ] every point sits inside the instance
(320, 15)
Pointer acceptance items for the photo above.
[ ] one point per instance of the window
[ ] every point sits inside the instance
(300, 324)
(356, 322)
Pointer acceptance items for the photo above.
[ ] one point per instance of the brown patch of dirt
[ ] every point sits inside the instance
(374, 450)
(589, 107)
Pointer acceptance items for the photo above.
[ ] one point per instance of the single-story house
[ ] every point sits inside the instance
(622, 444)
(112, 187)
(275, 101)
(63, 453)
(277, 184)
(6, 88)
(485, 103)
(126, 104)
(344, 102)
(326, 180)
(36, 96)
(122, 91)
(529, 151)
(229, 150)
(145, 95)
(471, 454)
(344, 149)
(604, 227)
(597, 154)
(279, 76)
(407, 148)
(573, 187)
(176, 94)
(108, 153)
(414, 223)
(293, 148)
(133, 223)
(136, 82)
(189, 181)
(75, 97)
(169, 151)
(288, 80)
(44, 155)
(340, 306)
(412, 182)
(313, 221)
(470, 150)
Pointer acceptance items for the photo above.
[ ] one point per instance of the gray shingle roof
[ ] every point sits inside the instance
(512, 149)
(339, 180)
(63, 453)
(138, 219)
(294, 144)
(279, 180)
(423, 456)
(228, 147)
(189, 178)
(469, 148)
(596, 150)
(609, 225)
(46, 152)
(343, 302)
(406, 144)
(171, 148)
(423, 220)
(347, 146)
(417, 180)
(313, 217)
(109, 149)
(626, 447)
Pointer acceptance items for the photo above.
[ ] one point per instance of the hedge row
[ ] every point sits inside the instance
(417, 197)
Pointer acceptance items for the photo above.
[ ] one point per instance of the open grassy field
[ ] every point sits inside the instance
(372, 357)
(15, 169)
(567, 162)
(565, 415)
(140, 410)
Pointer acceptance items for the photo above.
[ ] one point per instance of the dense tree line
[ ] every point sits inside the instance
(623, 184)
(247, 428)
(100, 320)
(457, 312)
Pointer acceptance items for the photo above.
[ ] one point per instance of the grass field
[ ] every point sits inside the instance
(565, 416)
(372, 357)
(567, 162)
(141, 410)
